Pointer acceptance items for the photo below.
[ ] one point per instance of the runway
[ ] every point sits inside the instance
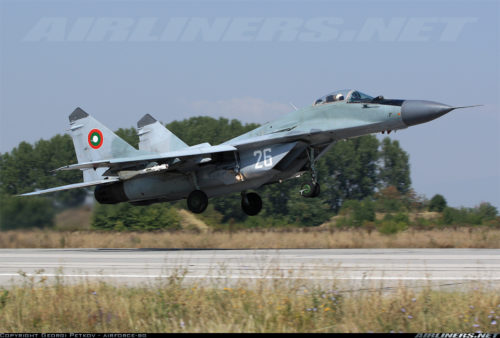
(347, 268)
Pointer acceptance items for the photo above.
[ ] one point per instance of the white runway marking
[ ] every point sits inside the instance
(350, 267)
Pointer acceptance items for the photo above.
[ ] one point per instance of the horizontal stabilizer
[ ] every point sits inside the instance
(72, 186)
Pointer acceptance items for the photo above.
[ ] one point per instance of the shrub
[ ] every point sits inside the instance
(423, 223)
(390, 200)
(124, 216)
(437, 203)
(468, 216)
(356, 213)
(391, 227)
(25, 212)
(393, 223)
(487, 211)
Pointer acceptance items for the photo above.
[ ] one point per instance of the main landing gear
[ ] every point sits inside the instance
(197, 201)
(311, 188)
(251, 203)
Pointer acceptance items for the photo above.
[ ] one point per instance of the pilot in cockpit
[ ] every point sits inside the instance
(333, 98)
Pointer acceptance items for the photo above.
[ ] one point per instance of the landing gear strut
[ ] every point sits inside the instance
(251, 203)
(311, 188)
(197, 201)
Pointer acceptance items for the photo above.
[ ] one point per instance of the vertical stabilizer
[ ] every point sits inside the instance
(155, 138)
(93, 141)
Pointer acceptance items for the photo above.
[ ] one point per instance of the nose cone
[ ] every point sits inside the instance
(416, 111)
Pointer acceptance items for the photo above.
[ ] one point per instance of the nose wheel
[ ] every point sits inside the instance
(310, 189)
(251, 203)
(197, 201)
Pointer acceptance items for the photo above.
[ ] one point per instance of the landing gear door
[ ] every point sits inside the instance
(256, 161)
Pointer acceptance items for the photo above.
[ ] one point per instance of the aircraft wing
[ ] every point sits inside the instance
(72, 186)
(284, 137)
(117, 163)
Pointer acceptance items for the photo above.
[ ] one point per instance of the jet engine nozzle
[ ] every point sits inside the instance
(418, 111)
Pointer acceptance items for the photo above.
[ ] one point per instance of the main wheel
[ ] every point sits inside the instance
(197, 201)
(317, 190)
(251, 204)
(309, 189)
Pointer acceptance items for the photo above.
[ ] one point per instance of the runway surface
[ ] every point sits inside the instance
(347, 268)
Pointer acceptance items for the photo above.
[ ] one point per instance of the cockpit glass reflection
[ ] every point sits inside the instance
(347, 95)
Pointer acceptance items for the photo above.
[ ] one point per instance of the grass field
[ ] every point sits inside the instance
(478, 237)
(37, 305)
(168, 306)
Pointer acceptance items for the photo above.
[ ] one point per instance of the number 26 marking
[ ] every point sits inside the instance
(266, 154)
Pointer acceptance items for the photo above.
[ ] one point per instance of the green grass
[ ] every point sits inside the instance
(172, 305)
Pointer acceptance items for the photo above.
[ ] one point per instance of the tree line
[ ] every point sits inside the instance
(352, 170)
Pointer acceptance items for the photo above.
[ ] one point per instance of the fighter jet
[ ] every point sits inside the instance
(164, 168)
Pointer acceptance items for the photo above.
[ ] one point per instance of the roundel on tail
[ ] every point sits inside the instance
(95, 138)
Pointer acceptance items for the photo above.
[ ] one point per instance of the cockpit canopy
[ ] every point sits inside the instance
(348, 95)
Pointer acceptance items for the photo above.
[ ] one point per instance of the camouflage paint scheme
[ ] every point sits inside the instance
(164, 168)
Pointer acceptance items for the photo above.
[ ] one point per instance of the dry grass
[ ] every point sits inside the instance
(191, 222)
(479, 237)
(412, 216)
(38, 306)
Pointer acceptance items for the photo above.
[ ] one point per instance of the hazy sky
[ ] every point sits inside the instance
(239, 59)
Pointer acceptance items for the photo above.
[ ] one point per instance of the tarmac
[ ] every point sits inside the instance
(347, 269)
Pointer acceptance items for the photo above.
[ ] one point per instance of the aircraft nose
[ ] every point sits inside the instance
(417, 111)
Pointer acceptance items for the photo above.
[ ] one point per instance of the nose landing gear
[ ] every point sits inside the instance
(251, 203)
(311, 188)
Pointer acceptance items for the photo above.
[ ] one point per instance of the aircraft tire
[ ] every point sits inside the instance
(252, 204)
(309, 189)
(197, 201)
(317, 190)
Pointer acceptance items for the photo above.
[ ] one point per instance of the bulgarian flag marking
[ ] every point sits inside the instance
(95, 138)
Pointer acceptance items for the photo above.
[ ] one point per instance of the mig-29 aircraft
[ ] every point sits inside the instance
(164, 168)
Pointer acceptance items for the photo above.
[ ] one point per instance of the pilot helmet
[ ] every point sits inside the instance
(339, 97)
